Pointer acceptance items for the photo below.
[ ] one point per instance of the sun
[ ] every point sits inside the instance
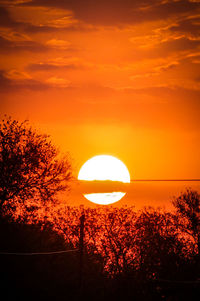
(104, 168)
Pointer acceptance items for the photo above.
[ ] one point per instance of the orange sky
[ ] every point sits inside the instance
(107, 77)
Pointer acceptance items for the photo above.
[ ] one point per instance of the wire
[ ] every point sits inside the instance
(37, 253)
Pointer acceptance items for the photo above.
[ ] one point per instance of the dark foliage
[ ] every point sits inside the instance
(188, 209)
(31, 172)
(127, 255)
(35, 277)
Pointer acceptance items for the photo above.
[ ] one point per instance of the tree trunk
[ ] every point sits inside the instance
(3, 197)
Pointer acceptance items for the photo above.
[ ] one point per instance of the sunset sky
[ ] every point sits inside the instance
(107, 77)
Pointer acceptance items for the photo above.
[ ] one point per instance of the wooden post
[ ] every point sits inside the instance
(81, 246)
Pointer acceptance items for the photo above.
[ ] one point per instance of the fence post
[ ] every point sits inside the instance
(81, 246)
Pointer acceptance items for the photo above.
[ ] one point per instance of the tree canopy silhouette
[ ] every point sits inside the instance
(149, 254)
(188, 209)
(188, 206)
(31, 169)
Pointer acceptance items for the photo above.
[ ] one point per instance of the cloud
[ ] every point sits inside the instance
(51, 66)
(47, 23)
(14, 36)
(179, 44)
(30, 28)
(156, 71)
(6, 21)
(167, 66)
(72, 63)
(58, 44)
(34, 29)
(14, 41)
(58, 82)
(102, 186)
(45, 67)
(165, 47)
(14, 2)
(189, 26)
(20, 45)
(144, 75)
(4, 81)
(64, 21)
(17, 75)
(11, 81)
(113, 12)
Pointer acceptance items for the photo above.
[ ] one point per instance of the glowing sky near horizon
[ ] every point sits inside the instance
(107, 77)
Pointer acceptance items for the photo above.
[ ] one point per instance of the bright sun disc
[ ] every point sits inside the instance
(104, 168)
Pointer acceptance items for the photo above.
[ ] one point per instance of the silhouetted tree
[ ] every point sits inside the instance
(160, 249)
(30, 167)
(188, 210)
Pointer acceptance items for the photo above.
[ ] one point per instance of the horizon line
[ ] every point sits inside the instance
(165, 180)
(145, 180)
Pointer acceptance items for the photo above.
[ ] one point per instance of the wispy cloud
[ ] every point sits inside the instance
(58, 82)
(21, 45)
(12, 81)
(121, 12)
(59, 44)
